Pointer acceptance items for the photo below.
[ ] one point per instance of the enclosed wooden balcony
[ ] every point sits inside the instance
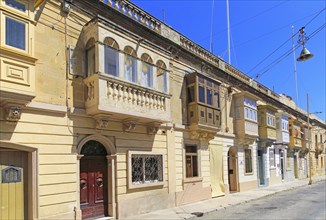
(245, 120)
(203, 98)
(267, 124)
(295, 133)
(282, 128)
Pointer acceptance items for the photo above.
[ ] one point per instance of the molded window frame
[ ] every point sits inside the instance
(208, 92)
(248, 161)
(131, 184)
(194, 161)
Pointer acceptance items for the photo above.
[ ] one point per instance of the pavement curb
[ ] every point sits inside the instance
(254, 199)
(205, 207)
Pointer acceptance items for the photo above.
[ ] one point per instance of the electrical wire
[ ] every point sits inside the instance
(257, 75)
(282, 57)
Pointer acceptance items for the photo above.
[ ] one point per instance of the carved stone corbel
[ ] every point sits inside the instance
(129, 125)
(152, 128)
(13, 114)
(102, 123)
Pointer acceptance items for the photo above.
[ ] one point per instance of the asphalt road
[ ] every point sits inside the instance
(308, 202)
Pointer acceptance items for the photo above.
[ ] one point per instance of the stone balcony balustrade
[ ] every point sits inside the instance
(120, 99)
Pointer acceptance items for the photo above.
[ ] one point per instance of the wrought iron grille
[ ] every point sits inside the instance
(146, 168)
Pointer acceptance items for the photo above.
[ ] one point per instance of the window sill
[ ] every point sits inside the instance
(144, 185)
(192, 179)
(20, 54)
(249, 174)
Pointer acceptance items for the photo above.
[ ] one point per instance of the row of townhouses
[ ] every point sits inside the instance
(107, 111)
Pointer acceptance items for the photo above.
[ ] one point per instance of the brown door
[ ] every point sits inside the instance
(232, 165)
(93, 187)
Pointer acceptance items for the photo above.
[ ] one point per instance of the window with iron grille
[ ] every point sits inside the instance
(146, 169)
(248, 161)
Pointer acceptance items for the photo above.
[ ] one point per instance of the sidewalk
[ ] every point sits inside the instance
(206, 206)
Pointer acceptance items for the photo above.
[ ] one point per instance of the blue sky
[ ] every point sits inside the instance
(258, 31)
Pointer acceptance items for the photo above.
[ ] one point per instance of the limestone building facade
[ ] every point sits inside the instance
(107, 111)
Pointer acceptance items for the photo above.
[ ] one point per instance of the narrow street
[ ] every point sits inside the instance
(308, 202)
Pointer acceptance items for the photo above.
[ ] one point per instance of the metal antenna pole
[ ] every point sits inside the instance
(228, 27)
(211, 37)
(309, 144)
(295, 68)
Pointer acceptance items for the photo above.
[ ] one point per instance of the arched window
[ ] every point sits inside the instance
(161, 75)
(93, 148)
(90, 57)
(111, 57)
(146, 75)
(130, 65)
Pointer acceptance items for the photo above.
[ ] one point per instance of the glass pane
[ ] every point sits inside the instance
(209, 96)
(146, 78)
(17, 5)
(15, 33)
(194, 166)
(137, 169)
(130, 69)
(162, 81)
(216, 101)
(246, 113)
(201, 91)
(90, 56)
(111, 57)
(201, 79)
(188, 166)
(191, 149)
(191, 94)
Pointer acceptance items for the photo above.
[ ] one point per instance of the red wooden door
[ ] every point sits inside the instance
(93, 187)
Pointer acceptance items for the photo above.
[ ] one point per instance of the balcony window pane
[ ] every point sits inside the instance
(191, 94)
(209, 96)
(201, 91)
(16, 4)
(90, 57)
(111, 57)
(216, 101)
(130, 68)
(15, 33)
(146, 76)
(162, 80)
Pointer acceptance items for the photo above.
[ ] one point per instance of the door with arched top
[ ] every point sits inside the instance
(93, 181)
